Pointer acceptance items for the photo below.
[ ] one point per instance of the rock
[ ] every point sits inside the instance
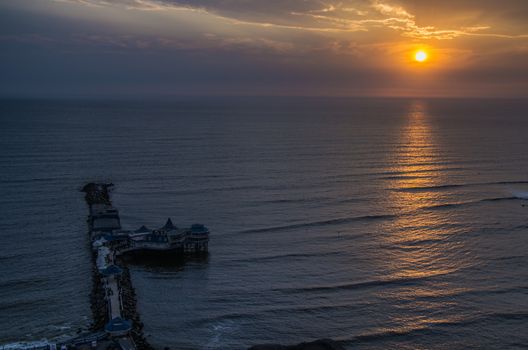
(321, 344)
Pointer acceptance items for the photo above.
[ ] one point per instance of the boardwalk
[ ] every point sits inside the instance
(114, 297)
(105, 218)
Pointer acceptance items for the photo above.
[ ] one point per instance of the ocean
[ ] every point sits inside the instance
(380, 223)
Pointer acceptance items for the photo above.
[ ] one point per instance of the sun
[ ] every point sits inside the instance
(420, 56)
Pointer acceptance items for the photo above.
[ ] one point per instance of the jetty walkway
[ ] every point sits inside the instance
(113, 298)
(111, 286)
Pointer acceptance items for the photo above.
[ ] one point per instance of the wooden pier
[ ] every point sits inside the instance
(113, 297)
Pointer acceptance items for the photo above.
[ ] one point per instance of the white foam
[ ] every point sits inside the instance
(520, 195)
(219, 331)
(37, 344)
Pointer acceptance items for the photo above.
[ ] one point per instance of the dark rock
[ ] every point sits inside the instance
(321, 344)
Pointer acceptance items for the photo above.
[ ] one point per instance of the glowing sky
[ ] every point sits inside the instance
(263, 47)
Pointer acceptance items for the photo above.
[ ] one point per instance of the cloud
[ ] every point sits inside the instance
(391, 10)
(312, 45)
(322, 16)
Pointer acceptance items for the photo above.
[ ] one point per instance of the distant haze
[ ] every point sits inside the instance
(69, 48)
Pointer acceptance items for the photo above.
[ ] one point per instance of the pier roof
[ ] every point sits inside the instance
(142, 229)
(118, 325)
(169, 225)
(112, 270)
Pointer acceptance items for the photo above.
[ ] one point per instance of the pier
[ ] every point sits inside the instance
(116, 322)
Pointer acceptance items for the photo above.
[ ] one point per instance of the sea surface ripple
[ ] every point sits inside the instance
(381, 223)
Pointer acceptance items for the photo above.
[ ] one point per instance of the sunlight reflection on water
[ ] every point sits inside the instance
(413, 250)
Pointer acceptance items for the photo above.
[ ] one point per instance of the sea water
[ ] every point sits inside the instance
(381, 223)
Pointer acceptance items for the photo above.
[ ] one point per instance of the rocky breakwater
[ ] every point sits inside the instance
(129, 301)
(98, 301)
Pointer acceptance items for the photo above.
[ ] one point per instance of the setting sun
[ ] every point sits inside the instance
(420, 56)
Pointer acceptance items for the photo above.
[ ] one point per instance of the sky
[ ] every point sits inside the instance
(105, 48)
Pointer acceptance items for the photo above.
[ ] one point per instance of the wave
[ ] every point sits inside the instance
(449, 186)
(152, 192)
(26, 305)
(23, 345)
(346, 220)
(419, 171)
(466, 292)
(351, 200)
(498, 199)
(377, 336)
(23, 283)
(383, 174)
(436, 327)
(430, 188)
(520, 227)
(270, 311)
(44, 344)
(404, 177)
(320, 223)
(520, 195)
(468, 203)
(4, 258)
(35, 180)
(292, 200)
(359, 285)
(283, 256)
